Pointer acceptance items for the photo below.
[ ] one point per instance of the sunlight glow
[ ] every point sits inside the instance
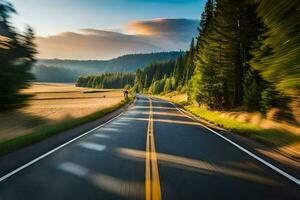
(109, 129)
(111, 184)
(74, 169)
(118, 186)
(92, 146)
(101, 135)
(166, 121)
(197, 165)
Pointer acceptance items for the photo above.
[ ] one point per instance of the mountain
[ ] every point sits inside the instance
(57, 70)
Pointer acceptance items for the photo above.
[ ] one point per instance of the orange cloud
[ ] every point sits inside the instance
(163, 27)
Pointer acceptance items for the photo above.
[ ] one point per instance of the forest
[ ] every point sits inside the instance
(66, 71)
(106, 80)
(245, 56)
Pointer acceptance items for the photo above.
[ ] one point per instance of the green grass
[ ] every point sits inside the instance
(53, 129)
(268, 136)
(271, 137)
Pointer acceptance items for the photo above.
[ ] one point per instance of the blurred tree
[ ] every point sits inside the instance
(277, 57)
(17, 53)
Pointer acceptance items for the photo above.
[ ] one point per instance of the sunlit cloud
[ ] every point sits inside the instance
(137, 37)
(176, 28)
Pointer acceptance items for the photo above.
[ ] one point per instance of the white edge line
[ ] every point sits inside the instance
(55, 149)
(283, 173)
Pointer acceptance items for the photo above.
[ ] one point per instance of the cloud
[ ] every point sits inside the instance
(180, 31)
(91, 44)
(164, 27)
(139, 37)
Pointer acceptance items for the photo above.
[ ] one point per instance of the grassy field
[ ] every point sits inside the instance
(54, 104)
(285, 137)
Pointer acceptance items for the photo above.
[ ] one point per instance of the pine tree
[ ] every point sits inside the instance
(203, 74)
(228, 29)
(138, 86)
(146, 81)
(178, 69)
(189, 64)
(168, 85)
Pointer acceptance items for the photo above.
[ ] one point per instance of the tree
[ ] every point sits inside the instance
(277, 57)
(253, 87)
(203, 79)
(189, 65)
(226, 34)
(178, 70)
(146, 81)
(17, 53)
(168, 85)
(236, 27)
(138, 86)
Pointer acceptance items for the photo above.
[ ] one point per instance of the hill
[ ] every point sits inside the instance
(57, 70)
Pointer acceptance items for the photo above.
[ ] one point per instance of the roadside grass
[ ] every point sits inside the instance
(46, 131)
(271, 137)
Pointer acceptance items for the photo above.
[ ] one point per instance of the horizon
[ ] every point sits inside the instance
(132, 54)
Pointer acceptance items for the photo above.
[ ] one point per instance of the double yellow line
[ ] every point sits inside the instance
(152, 182)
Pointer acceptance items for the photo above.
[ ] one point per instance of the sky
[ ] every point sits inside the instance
(104, 29)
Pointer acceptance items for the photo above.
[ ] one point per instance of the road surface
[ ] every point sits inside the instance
(152, 151)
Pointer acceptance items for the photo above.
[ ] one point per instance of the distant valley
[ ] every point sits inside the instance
(56, 70)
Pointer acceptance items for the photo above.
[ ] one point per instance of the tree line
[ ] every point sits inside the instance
(106, 80)
(166, 76)
(17, 52)
(246, 55)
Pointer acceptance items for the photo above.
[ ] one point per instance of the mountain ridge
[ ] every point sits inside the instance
(64, 70)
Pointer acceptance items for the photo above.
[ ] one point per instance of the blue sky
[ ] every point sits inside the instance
(54, 17)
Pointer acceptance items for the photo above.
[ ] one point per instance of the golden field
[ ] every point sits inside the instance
(52, 103)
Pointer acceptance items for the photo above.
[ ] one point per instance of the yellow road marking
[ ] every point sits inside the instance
(148, 175)
(152, 183)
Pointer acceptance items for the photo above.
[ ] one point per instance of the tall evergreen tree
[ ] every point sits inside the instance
(138, 85)
(204, 78)
(178, 69)
(189, 65)
(228, 29)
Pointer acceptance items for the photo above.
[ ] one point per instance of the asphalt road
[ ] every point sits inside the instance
(152, 151)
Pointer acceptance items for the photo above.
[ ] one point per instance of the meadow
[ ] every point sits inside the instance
(53, 103)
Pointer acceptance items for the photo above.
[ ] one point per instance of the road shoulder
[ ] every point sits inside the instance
(271, 155)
